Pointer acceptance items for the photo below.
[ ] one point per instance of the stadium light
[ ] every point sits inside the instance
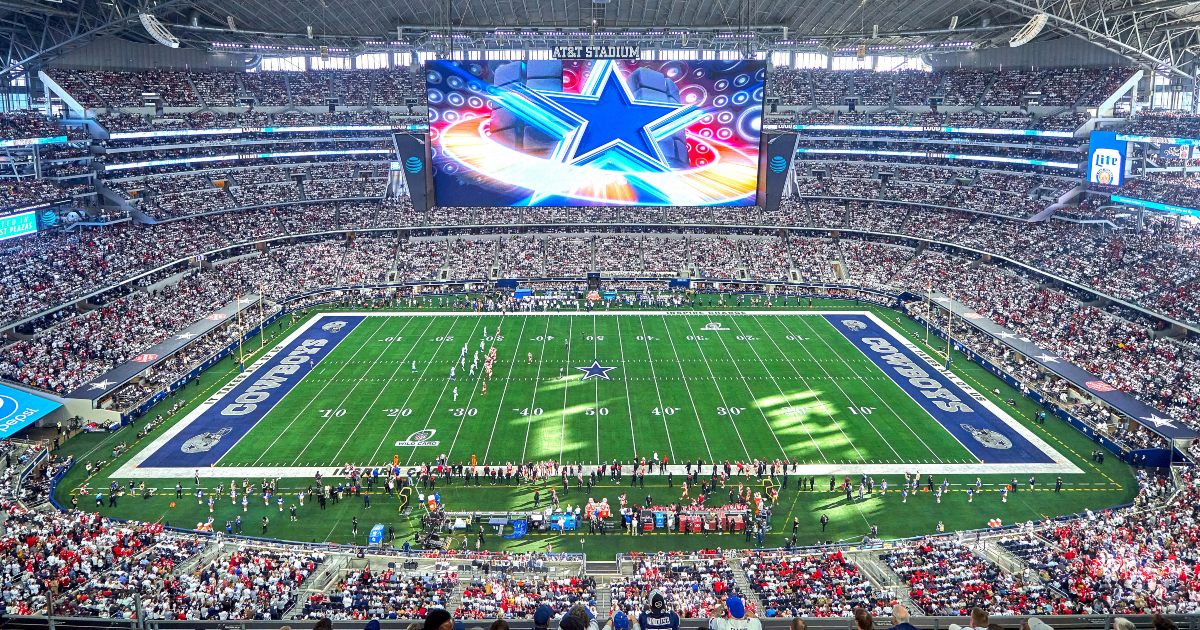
(1032, 29)
(158, 31)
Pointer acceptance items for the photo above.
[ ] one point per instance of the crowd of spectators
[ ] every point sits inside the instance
(505, 595)
(182, 88)
(1058, 87)
(945, 577)
(383, 594)
(814, 585)
(693, 584)
(21, 124)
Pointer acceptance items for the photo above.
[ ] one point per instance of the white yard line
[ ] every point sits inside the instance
(341, 403)
(882, 399)
(314, 397)
(537, 383)
(500, 403)
(562, 430)
(446, 383)
(382, 389)
(782, 394)
(753, 398)
(820, 400)
(716, 386)
(396, 419)
(471, 398)
(629, 396)
(596, 389)
(850, 399)
(686, 387)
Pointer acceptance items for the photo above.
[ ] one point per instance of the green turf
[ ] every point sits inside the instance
(1098, 486)
(770, 386)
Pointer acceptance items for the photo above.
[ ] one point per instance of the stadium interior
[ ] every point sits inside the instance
(796, 313)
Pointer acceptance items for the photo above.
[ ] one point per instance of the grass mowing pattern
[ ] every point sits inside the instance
(763, 386)
(1098, 486)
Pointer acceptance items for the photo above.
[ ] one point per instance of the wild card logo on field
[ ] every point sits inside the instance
(334, 326)
(1099, 386)
(204, 442)
(1106, 165)
(854, 324)
(713, 326)
(988, 437)
(420, 438)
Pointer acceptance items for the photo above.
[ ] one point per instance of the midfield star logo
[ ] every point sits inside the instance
(595, 370)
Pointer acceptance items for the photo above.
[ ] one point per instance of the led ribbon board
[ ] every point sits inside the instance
(20, 224)
(584, 132)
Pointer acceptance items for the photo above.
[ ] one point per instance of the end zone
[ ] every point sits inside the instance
(201, 438)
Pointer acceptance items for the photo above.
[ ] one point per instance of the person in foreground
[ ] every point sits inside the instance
(901, 619)
(735, 617)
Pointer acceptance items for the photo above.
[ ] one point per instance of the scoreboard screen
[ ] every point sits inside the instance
(606, 132)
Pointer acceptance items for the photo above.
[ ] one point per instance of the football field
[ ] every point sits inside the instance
(831, 390)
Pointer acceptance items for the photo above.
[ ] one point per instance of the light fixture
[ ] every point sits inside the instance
(158, 31)
(1029, 31)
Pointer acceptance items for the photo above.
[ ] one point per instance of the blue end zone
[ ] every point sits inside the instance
(223, 423)
(978, 428)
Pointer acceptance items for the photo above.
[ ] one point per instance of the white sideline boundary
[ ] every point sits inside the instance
(132, 469)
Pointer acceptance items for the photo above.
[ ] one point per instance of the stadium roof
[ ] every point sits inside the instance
(1161, 33)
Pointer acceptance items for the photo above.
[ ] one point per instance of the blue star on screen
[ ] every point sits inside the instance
(609, 117)
(595, 370)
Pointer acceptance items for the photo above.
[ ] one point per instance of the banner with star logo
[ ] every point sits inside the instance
(104, 384)
(595, 132)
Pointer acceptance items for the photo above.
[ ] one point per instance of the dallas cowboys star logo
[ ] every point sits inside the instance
(101, 385)
(1159, 421)
(595, 370)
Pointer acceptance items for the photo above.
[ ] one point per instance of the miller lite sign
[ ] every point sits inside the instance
(1106, 167)
(1106, 159)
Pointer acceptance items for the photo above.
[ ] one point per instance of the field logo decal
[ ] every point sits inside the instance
(420, 438)
(961, 411)
(854, 324)
(988, 437)
(204, 442)
(334, 326)
(713, 326)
